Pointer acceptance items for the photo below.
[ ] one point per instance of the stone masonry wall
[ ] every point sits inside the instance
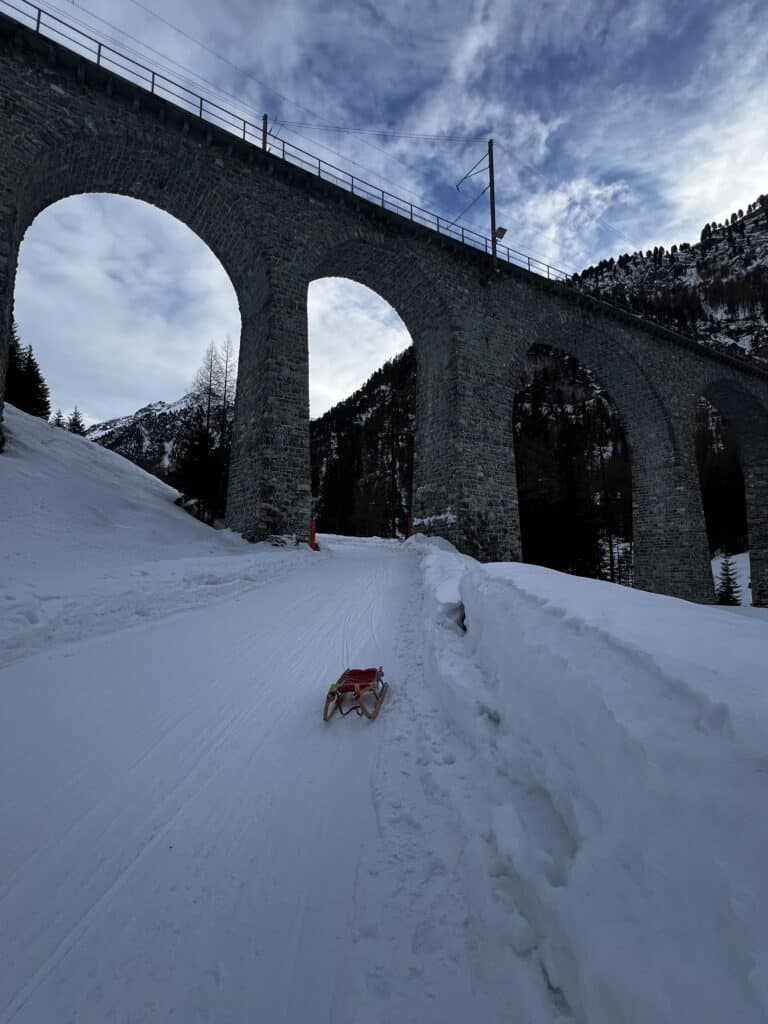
(67, 127)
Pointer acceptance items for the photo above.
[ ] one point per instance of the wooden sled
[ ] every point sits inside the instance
(357, 689)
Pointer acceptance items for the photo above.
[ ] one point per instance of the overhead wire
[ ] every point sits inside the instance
(294, 125)
(245, 106)
(388, 132)
(469, 206)
(248, 74)
(188, 77)
(473, 170)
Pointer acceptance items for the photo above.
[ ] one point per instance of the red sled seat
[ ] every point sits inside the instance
(357, 678)
(357, 689)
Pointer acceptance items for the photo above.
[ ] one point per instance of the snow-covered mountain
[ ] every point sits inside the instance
(148, 437)
(715, 289)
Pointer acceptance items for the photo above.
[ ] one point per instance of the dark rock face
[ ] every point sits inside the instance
(716, 289)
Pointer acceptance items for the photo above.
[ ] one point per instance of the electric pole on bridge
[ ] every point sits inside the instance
(492, 189)
(496, 233)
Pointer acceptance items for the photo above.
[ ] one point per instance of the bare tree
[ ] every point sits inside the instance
(229, 372)
(207, 386)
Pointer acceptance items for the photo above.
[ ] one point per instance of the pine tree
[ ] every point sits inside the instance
(58, 420)
(13, 383)
(201, 470)
(25, 385)
(728, 588)
(75, 423)
(38, 401)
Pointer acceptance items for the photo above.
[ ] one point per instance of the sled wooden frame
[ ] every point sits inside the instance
(361, 690)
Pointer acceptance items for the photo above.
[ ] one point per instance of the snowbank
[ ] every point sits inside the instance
(632, 728)
(89, 543)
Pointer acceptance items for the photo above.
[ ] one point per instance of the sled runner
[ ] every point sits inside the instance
(357, 689)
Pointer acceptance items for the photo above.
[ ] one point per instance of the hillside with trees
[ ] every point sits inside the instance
(715, 290)
(185, 443)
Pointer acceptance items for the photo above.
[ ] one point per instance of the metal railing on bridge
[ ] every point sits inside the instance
(159, 84)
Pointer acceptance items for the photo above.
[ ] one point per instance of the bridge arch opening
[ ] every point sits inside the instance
(362, 410)
(732, 462)
(119, 301)
(573, 465)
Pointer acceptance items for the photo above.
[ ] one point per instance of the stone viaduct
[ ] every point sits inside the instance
(68, 127)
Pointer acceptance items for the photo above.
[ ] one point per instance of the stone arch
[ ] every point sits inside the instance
(669, 539)
(137, 168)
(604, 546)
(747, 416)
(156, 279)
(365, 489)
(119, 163)
(391, 270)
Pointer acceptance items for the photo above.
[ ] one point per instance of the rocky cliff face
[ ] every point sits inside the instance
(150, 436)
(715, 289)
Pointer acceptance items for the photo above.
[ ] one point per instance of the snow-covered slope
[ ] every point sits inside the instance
(629, 856)
(60, 489)
(558, 815)
(90, 542)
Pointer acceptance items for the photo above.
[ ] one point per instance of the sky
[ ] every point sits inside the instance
(617, 126)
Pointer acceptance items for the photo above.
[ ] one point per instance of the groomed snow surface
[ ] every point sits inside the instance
(558, 816)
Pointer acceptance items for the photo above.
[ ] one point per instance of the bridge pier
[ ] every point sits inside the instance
(269, 478)
(755, 471)
(747, 416)
(9, 247)
(671, 552)
(488, 523)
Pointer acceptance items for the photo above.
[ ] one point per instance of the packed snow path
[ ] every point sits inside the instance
(185, 837)
(558, 815)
